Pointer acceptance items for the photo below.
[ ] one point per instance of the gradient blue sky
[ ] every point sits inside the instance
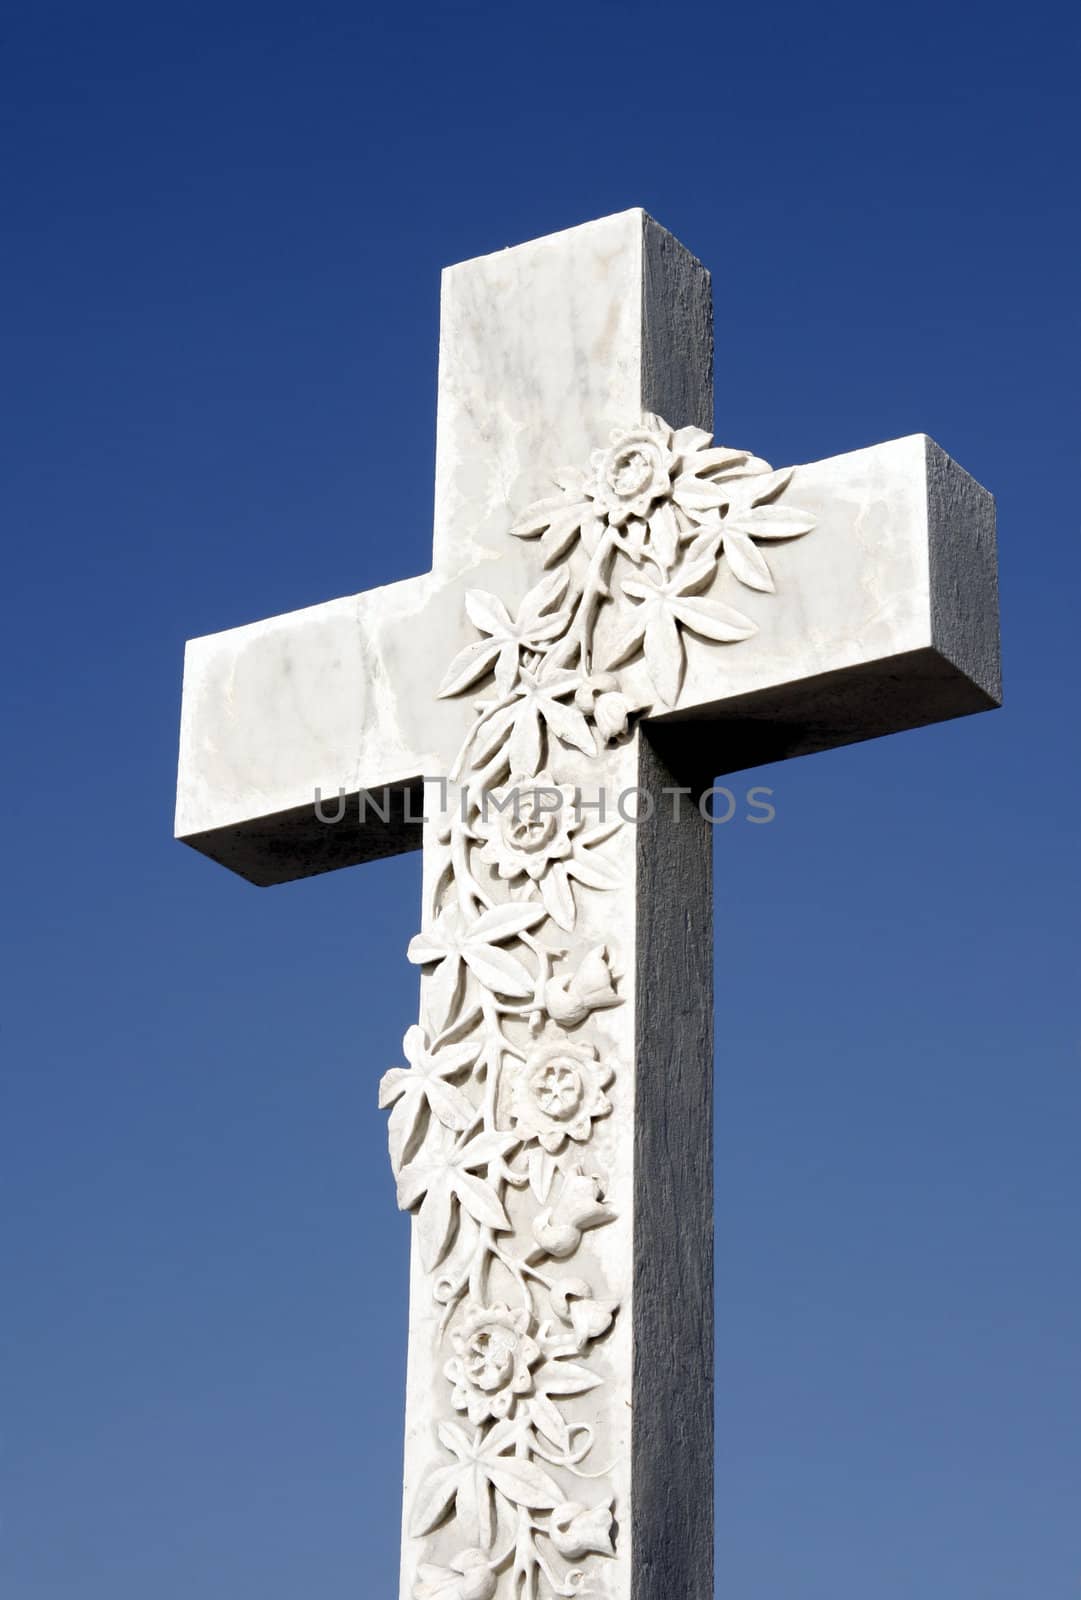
(225, 226)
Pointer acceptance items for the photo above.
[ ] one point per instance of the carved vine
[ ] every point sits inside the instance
(492, 1121)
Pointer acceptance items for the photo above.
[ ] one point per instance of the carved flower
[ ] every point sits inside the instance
(558, 1230)
(631, 474)
(557, 1092)
(469, 1577)
(570, 1000)
(526, 825)
(491, 1367)
(579, 1530)
(531, 828)
(653, 486)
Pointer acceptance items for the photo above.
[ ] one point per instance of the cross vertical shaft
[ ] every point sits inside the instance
(512, 379)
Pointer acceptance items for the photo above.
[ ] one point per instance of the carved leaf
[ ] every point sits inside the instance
(732, 463)
(566, 1377)
(391, 1085)
(488, 613)
(699, 495)
(543, 513)
(590, 873)
(443, 991)
(549, 1420)
(504, 922)
(542, 1169)
(771, 522)
(449, 1105)
(524, 1483)
(568, 724)
(769, 487)
(480, 1201)
(686, 440)
(499, 971)
(494, 731)
(437, 1495)
(468, 667)
(434, 1221)
(558, 896)
(713, 620)
(536, 601)
(747, 561)
(664, 533)
(664, 653)
(525, 741)
(627, 640)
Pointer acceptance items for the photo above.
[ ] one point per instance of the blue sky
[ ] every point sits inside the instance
(224, 228)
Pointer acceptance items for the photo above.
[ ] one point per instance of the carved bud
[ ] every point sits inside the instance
(572, 1299)
(469, 1577)
(558, 1230)
(570, 1000)
(598, 696)
(579, 1530)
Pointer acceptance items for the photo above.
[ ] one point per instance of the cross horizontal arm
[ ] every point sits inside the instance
(336, 697)
(886, 619)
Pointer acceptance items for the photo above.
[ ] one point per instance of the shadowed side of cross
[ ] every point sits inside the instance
(567, 1098)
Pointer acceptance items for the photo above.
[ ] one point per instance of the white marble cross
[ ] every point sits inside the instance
(615, 605)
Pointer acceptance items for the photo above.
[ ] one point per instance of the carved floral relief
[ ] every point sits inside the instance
(493, 1122)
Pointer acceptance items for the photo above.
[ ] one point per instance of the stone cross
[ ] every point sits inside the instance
(618, 610)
